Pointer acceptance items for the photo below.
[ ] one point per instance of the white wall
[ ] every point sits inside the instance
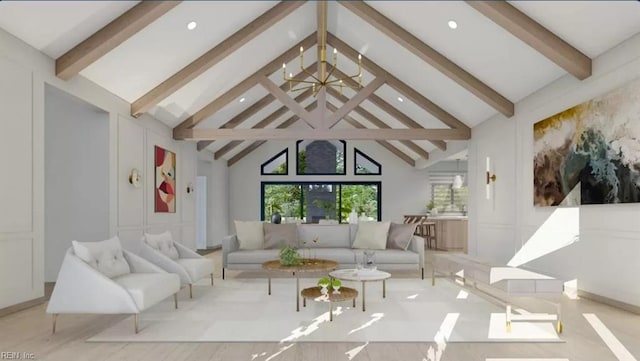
(24, 71)
(217, 174)
(404, 189)
(77, 174)
(605, 259)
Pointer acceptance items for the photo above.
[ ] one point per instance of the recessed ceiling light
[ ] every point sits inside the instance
(452, 24)
(400, 99)
(192, 25)
(241, 100)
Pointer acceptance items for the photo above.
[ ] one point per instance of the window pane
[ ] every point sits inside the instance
(282, 198)
(320, 202)
(365, 165)
(361, 197)
(447, 199)
(321, 157)
(276, 165)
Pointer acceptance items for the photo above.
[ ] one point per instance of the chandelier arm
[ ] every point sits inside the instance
(301, 81)
(334, 85)
(333, 68)
(311, 75)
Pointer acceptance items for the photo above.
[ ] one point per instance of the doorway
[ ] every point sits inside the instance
(201, 212)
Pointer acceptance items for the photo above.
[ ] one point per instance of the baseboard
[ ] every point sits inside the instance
(48, 288)
(609, 302)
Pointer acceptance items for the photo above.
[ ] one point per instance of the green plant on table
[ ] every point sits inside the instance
(324, 282)
(289, 256)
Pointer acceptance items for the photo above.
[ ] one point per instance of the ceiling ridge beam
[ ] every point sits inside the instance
(391, 110)
(312, 134)
(398, 85)
(354, 102)
(430, 56)
(289, 102)
(213, 56)
(264, 123)
(253, 146)
(110, 36)
(252, 109)
(390, 147)
(377, 122)
(246, 84)
(536, 36)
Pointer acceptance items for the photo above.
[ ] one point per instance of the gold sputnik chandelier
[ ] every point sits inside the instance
(324, 78)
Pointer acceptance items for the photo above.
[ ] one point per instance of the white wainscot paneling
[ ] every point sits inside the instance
(176, 230)
(153, 218)
(130, 156)
(130, 238)
(188, 236)
(16, 271)
(497, 243)
(16, 152)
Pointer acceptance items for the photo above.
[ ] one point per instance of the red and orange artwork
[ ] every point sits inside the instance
(165, 181)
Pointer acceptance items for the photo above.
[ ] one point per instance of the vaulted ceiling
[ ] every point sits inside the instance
(423, 83)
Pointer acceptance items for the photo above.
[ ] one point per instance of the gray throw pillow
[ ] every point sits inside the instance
(400, 235)
(279, 235)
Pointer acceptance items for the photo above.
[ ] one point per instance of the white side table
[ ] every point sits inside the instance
(363, 276)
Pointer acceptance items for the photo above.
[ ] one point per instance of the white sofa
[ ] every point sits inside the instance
(335, 243)
(93, 286)
(173, 257)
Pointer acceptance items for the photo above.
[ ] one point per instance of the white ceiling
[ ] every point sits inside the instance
(478, 45)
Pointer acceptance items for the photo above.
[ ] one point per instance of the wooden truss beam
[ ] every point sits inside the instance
(246, 84)
(289, 102)
(354, 102)
(430, 55)
(397, 152)
(110, 36)
(377, 122)
(391, 110)
(213, 56)
(398, 85)
(535, 35)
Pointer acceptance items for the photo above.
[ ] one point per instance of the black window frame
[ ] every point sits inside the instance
(284, 151)
(344, 155)
(357, 151)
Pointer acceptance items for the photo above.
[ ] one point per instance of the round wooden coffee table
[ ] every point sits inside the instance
(306, 265)
(315, 293)
(363, 276)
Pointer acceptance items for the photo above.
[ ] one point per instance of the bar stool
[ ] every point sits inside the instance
(429, 234)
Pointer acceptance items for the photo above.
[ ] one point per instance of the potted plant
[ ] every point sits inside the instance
(289, 256)
(336, 285)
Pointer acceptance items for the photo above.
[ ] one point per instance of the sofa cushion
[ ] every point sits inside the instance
(341, 255)
(162, 242)
(147, 289)
(329, 235)
(396, 256)
(256, 256)
(372, 235)
(104, 256)
(279, 235)
(400, 235)
(197, 268)
(250, 234)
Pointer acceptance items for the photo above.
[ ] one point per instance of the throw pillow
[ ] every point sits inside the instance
(400, 235)
(279, 235)
(105, 256)
(162, 242)
(371, 235)
(250, 234)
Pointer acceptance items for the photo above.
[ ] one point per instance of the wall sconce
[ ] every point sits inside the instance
(135, 178)
(490, 178)
(190, 188)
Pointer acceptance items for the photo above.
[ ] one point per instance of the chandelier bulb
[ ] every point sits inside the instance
(301, 50)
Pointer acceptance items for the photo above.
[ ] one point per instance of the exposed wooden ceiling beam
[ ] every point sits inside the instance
(289, 102)
(354, 102)
(536, 36)
(398, 85)
(431, 56)
(246, 84)
(391, 110)
(253, 146)
(110, 36)
(376, 122)
(265, 122)
(397, 152)
(327, 134)
(213, 56)
(254, 108)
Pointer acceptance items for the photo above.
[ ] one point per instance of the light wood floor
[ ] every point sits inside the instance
(30, 331)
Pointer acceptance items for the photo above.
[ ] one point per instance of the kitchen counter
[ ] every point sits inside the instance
(451, 232)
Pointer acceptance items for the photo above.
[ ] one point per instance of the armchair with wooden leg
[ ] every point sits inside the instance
(173, 257)
(102, 278)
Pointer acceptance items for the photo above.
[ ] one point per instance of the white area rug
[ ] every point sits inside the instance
(239, 310)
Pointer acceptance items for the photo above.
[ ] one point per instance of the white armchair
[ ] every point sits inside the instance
(173, 257)
(105, 279)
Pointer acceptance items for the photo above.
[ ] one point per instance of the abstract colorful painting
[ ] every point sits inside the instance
(165, 181)
(590, 154)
